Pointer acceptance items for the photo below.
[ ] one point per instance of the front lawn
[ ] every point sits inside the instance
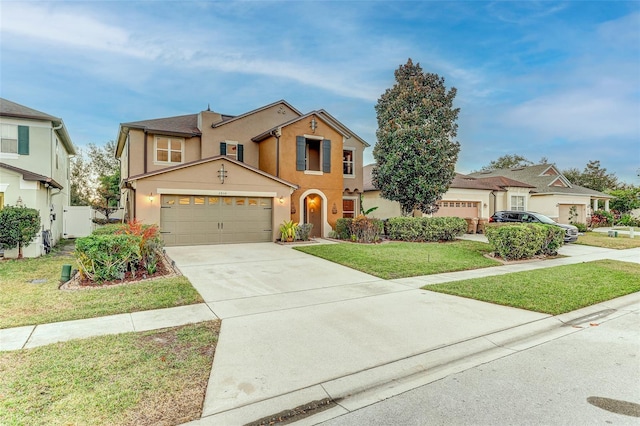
(551, 290)
(150, 378)
(402, 259)
(25, 303)
(600, 239)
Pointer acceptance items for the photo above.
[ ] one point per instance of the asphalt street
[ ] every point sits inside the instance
(585, 378)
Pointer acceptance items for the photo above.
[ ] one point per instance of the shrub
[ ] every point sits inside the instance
(582, 227)
(628, 220)
(524, 240)
(303, 231)
(425, 228)
(359, 229)
(18, 227)
(342, 228)
(107, 257)
(150, 243)
(601, 218)
(109, 229)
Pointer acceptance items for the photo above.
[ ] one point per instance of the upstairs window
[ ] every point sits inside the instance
(313, 155)
(233, 150)
(348, 162)
(14, 139)
(169, 150)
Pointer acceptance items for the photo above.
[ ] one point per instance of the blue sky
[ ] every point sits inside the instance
(540, 79)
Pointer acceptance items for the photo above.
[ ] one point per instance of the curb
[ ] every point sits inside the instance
(373, 385)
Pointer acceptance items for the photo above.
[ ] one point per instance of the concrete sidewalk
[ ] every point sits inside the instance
(288, 337)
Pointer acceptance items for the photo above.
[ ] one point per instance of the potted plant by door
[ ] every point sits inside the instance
(288, 231)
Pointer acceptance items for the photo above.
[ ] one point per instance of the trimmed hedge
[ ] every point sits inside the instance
(109, 229)
(425, 228)
(524, 240)
(360, 229)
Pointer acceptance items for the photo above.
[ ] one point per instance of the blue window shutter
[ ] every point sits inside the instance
(23, 140)
(301, 145)
(326, 156)
(223, 148)
(240, 152)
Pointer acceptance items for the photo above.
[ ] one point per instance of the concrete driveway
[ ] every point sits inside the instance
(292, 321)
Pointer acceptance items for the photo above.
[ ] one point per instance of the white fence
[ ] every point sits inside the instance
(78, 220)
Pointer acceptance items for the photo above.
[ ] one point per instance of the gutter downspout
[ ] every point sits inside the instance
(277, 133)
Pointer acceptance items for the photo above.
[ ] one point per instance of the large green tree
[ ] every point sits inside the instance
(510, 161)
(87, 168)
(593, 176)
(416, 152)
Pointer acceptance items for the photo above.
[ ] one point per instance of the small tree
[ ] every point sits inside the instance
(108, 194)
(18, 227)
(416, 152)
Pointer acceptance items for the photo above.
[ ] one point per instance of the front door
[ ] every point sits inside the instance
(313, 214)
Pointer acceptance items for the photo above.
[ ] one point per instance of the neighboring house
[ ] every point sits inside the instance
(467, 197)
(211, 178)
(35, 151)
(553, 195)
(541, 188)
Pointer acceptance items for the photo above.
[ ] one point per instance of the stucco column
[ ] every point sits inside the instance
(595, 205)
(606, 205)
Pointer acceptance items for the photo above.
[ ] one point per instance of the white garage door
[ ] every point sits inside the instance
(198, 219)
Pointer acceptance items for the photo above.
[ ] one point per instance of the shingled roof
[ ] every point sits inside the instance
(30, 176)
(544, 178)
(187, 124)
(12, 109)
(497, 183)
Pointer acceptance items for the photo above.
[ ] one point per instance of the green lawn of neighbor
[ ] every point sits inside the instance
(553, 290)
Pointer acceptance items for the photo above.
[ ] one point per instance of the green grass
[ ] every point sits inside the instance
(149, 378)
(400, 259)
(24, 303)
(551, 290)
(600, 239)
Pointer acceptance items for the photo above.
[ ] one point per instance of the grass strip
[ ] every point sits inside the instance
(25, 303)
(403, 259)
(600, 239)
(150, 378)
(554, 290)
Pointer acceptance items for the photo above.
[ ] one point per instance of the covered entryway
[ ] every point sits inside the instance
(200, 219)
(313, 210)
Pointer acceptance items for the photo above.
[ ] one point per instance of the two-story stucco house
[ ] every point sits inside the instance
(35, 151)
(210, 178)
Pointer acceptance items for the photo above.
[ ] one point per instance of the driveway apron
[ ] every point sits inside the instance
(291, 320)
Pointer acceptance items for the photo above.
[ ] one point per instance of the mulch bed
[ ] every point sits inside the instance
(164, 269)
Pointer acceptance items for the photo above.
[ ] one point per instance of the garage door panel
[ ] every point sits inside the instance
(212, 220)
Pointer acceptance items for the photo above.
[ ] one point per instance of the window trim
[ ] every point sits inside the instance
(16, 139)
(353, 162)
(355, 205)
(513, 206)
(169, 150)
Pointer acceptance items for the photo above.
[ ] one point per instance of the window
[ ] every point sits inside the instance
(349, 207)
(169, 150)
(517, 202)
(233, 150)
(9, 139)
(313, 155)
(348, 162)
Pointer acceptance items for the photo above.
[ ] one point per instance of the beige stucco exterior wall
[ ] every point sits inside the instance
(482, 197)
(556, 206)
(203, 180)
(242, 130)
(386, 208)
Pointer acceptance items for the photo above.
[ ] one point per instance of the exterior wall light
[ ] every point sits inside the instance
(281, 199)
(151, 197)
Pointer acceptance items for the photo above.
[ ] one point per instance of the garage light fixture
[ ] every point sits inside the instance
(151, 197)
(281, 199)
